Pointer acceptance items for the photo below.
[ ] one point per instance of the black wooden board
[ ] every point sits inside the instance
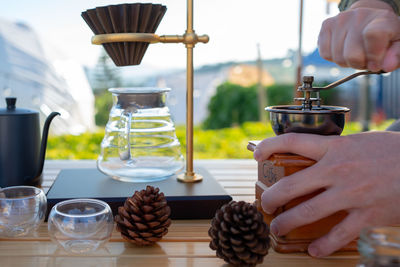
(187, 200)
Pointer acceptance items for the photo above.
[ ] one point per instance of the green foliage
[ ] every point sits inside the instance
(208, 144)
(233, 104)
(329, 97)
(103, 104)
(84, 146)
(221, 143)
(106, 76)
(280, 94)
(229, 142)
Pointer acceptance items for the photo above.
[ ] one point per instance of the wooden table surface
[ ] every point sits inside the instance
(186, 244)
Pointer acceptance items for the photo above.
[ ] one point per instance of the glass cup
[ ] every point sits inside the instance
(379, 247)
(22, 210)
(80, 225)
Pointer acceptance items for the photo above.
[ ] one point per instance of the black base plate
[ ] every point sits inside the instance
(187, 200)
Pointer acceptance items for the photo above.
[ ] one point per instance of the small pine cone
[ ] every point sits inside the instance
(239, 234)
(144, 218)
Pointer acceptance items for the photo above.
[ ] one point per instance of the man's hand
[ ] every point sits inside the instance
(366, 36)
(360, 174)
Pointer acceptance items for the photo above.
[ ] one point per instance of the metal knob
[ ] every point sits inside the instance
(11, 103)
(308, 79)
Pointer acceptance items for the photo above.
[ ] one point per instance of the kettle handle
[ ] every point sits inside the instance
(44, 141)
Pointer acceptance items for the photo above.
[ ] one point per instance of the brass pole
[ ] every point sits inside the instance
(189, 93)
(299, 52)
(262, 98)
(189, 16)
(363, 108)
(189, 113)
(189, 176)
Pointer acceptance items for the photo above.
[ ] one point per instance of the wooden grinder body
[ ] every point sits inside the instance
(272, 170)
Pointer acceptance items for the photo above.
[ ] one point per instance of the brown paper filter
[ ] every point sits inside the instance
(125, 18)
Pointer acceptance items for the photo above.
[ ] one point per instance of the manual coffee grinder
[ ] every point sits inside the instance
(313, 118)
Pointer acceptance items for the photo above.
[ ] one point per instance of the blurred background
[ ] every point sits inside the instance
(256, 48)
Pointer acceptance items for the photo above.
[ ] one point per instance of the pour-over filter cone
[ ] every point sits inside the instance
(125, 18)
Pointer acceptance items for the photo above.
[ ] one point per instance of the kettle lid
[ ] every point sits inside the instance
(12, 110)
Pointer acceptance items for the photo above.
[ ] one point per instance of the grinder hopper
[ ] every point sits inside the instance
(311, 116)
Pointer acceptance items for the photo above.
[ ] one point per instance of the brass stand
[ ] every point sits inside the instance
(190, 39)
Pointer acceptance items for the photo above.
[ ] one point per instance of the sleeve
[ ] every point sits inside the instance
(395, 4)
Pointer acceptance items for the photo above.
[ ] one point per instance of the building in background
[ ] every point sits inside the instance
(206, 81)
(41, 83)
(247, 75)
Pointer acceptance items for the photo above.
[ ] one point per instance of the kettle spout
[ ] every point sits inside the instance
(44, 142)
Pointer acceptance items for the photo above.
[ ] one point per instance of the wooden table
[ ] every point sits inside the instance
(186, 244)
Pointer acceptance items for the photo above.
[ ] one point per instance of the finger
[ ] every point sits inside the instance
(324, 40)
(298, 184)
(337, 44)
(339, 236)
(353, 52)
(391, 61)
(377, 38)
(314, 209)
(296, 143)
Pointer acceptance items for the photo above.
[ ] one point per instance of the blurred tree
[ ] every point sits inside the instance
(280, 94)
(329, 97)
(105, 76)
(103, 104)
(234, 104)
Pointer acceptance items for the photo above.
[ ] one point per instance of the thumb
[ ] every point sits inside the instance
(391, 61)
(312, 146)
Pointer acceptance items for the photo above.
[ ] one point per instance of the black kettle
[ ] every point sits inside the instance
(21, 152)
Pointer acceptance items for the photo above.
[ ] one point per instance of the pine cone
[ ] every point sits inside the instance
(144, 218)
(239, 234)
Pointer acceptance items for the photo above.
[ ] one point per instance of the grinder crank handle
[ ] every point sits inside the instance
(345, 79)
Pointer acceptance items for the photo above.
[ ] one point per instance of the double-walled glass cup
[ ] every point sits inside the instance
(80, 225)
(22, 210)
(379, 247)
(140, 143)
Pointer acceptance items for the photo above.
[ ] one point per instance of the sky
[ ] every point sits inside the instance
(235, 27)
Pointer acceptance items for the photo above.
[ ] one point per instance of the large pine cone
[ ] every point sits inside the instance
(144, 218)
(239, 234)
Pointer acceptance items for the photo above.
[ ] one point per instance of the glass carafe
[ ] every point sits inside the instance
(140, 143)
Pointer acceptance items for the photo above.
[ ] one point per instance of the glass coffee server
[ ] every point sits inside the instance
(140, 144)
